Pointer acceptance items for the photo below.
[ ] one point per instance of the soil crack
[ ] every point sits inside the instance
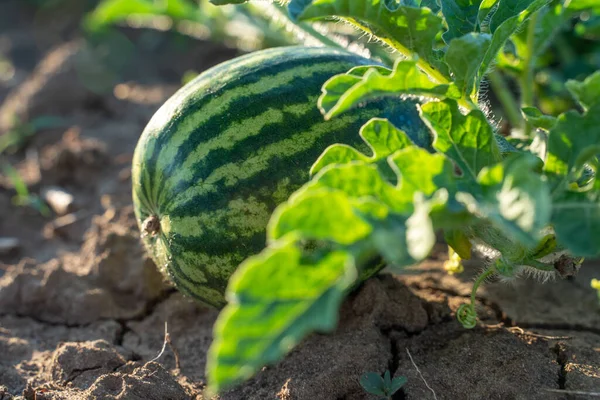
(77, 372)
(148, 310)
(560, 350)
(501, 316)
(51, 323)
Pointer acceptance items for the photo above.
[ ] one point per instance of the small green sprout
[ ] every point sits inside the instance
(23, 197)
(384, 386)
(17, 136)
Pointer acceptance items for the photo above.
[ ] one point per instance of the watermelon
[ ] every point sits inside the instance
(231, 145)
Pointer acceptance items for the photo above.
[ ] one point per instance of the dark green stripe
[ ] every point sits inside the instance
(141, 195)
(265, 71)
(260, 185)
(187, 288)
(245, 108)
(213, 243)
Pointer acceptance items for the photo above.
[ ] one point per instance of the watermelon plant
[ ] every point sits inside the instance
(214, 161)
(210, 166)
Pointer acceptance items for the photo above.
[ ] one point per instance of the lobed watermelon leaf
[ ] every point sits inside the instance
(464, 57)
(275, 299)
(514, 197)
(380, 135)
(468, 140)
(406, 28)
(342, 92)
(462, 18)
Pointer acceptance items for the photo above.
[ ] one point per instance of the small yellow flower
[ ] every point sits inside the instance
(454, 263)
(596, 284)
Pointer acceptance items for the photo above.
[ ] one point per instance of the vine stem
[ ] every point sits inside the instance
(509, 104)
(538, 265)
(466, 313)
(527, 74)
(305, 28)
(434, 74)
(478, 283)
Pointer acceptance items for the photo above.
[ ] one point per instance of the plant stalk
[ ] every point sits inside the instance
(434, 74)
(478, 283)
(509, 103)
(528, 70)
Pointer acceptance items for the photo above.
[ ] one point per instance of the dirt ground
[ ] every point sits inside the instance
(83, 310)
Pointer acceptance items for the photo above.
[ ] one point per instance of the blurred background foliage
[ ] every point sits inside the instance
(117, 35)
(568, 42)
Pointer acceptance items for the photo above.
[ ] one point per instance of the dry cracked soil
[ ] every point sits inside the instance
(83, 310)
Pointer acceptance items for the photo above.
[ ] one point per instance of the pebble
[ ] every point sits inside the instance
(61, 201)
(8, 245)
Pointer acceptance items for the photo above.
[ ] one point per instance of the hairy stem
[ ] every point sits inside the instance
(509, 103)
(434, 74)
(480, 279)
(539, 265)
(466, 313)
(304, 28)
(528, 70)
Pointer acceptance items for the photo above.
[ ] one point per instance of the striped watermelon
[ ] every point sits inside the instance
(226, 149)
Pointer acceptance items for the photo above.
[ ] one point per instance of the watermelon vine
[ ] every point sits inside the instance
(530, 203)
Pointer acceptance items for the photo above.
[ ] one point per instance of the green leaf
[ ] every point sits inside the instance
(589, 29)
(485, 8)
(409, 30)
(338, 96)
(380, 135)
(505, 25)
(397, 383)
(459, 242)
(468, 140)
(344, 82)
(581, 5)
(111, 11)
(504, 145)
(464, 57)
(507, 9)
(224, 2)
(389, 239)
(323, 214)
(275, 299)
(461, 17)
(514, 196)
(420, 233)
(421, 171)
(387, 379)
(358, 180)
(549, 21)
(576, 220)
(372, 383)
(587, 93)
(538, 119)
(573, 141)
